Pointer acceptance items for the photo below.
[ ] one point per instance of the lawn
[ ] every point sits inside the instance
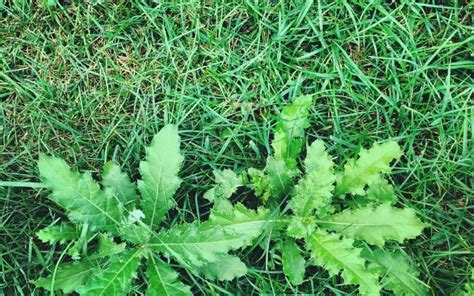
(94, 82)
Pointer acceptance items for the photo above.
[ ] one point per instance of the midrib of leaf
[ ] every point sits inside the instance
(362, 224)
(279, 177)
(159, 275)
(264, 222)
(89, 201)
(407, 284)
(158, 186)
(342, 263)
(396, 274)
(54, 277)
(120, 270)
(97, 207)
(187, 243)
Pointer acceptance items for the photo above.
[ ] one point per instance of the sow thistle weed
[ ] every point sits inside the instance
(345, 236)
(342, 220)
(113, 210)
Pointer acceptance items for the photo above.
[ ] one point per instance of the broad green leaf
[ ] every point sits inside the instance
(79, 195)
(225, 268)
(107, 247)
(58, 233)
(195, 245)
(289, 132)
(377, 225)
(280, 177)
(398, 272)
(365, 170)
(247, 224)
(163, 280)
(314, 190)
(117, 278)
(339, 255)
(227, 183)
(378, 193)
(68, 277)
(120, 184)
(293, 262)
(160, 175)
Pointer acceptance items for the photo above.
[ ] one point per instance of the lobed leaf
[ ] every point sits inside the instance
(69, 276)
(289, 132)
(116, 279)
(79, 195)
(378, 192)
(247, 224)
(280, 177)
(227, 183)
(293, 262)
(399, 274)
(377, 225)
(160, 175)
(339, 255)
(58, 233)
(194, 245)
(225, 268)
(365, 170)
(120, 184)
(314, 190)
(163, 280)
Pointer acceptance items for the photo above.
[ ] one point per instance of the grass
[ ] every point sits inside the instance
(93, 82)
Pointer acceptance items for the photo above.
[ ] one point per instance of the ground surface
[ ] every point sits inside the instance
(92, 83)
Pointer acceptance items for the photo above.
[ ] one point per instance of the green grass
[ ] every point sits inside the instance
(91, 83)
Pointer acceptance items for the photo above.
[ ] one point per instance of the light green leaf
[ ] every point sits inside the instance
(226, 268)
(195, 245)
(398, 272)
(314, 190)
(160, 175)
(338, 255)
(164, 281)
(120, 184)
(68, 276)
(365, 171)
(289, 132)
(280, 177)
(117, 278)
(107, 247)
(247, 224)
(378, 192)
(79, 195)
(227, 183)
(58, 233)
(377, 225)
(293, 262)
